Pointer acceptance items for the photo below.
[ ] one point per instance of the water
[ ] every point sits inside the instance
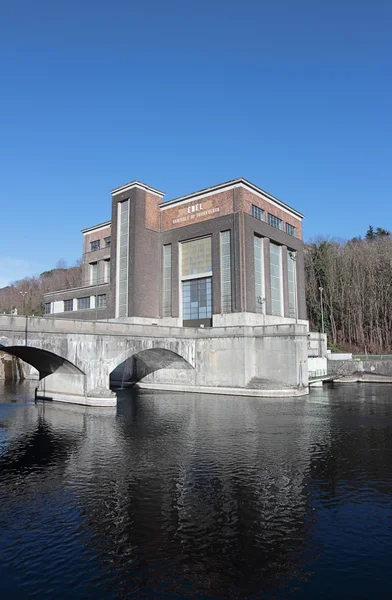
(190, 496)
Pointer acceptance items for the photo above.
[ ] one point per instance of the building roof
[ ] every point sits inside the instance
(100, 226)
(232, 184)
(139, 184)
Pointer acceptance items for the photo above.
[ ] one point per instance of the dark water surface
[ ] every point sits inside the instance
(191, 496)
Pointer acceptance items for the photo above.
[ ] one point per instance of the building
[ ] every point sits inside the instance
(227, 255)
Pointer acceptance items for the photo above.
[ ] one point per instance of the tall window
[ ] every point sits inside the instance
(275, 222)
(196, 271)
(196, 257)
(48, 306)
(83, 303)
(290, 229)
(93, 273)
(68, 305)
(225, 257)
(276, 280)
(258, 213)
(94, 245)
(122, 258)
(107, 241)
(292, 283)
(259, 274)
(167, 281)
(106, 270)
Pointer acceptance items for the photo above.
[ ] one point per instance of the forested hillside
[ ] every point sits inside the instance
(26, 295)
(356, 277)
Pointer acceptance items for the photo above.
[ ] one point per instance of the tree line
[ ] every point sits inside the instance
(26, 296)
(356, 281)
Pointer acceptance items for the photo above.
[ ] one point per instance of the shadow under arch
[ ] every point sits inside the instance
(142, 363)
(44, 361)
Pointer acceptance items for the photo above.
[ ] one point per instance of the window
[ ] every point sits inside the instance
(107, 241)
(290, 229)
(95, 245)
(106, 270)
(257, 212)
(292, 283)
(259, 274)
(93, 273)
(48, 306)
(275, 222)
(276, 279)
(225, 257)
(167, 281)
(122, 258)
(83, 303)
(68, 305)
(101, 301)
(197, 299)
(196, 257)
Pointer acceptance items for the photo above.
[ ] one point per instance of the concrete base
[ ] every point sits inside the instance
(80, 400)
(227, 391)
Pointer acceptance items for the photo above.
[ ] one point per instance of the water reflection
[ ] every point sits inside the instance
(190, 496)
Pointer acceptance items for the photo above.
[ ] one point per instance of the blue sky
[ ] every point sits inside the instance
(294, 96)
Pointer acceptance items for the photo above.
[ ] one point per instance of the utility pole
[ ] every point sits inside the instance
(23, 294)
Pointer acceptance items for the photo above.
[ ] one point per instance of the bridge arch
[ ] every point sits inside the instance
(131, 369)
(44, 361)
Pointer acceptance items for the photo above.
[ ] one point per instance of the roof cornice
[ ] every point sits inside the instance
(136, 184)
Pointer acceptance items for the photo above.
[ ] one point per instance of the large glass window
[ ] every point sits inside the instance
(107, 241)
(225, 255)
(276, 279)
(94, 245)
(259, 274)
(68, 305)
(122, 249)
(196, 257)
(48, 307)
(275, 222)
(167, 281)
(83, 303)
(292, 283)
(197, 299)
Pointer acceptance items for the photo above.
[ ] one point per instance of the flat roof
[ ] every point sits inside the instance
(100, 226)
(138, 184)
(231, 184)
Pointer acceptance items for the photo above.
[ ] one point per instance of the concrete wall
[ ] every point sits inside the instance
(15, 369)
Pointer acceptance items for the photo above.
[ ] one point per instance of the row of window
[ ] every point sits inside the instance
(259, 214)
(82, 304)
(96, 244)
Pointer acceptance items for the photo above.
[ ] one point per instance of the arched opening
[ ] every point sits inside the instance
(45, 362)
(141, 364)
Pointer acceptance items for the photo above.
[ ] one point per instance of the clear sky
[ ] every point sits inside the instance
(294, 96)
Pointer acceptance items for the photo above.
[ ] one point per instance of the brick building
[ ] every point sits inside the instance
(227, 255)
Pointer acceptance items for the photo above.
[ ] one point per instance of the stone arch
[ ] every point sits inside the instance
(133, 368)
(44, 361)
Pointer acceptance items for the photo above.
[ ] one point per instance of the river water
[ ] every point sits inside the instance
(191, 496)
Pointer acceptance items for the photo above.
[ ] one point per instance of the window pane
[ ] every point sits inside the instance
(196, 257)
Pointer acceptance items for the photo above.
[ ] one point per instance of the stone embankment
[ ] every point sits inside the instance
(15, 369)
(368, 369)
